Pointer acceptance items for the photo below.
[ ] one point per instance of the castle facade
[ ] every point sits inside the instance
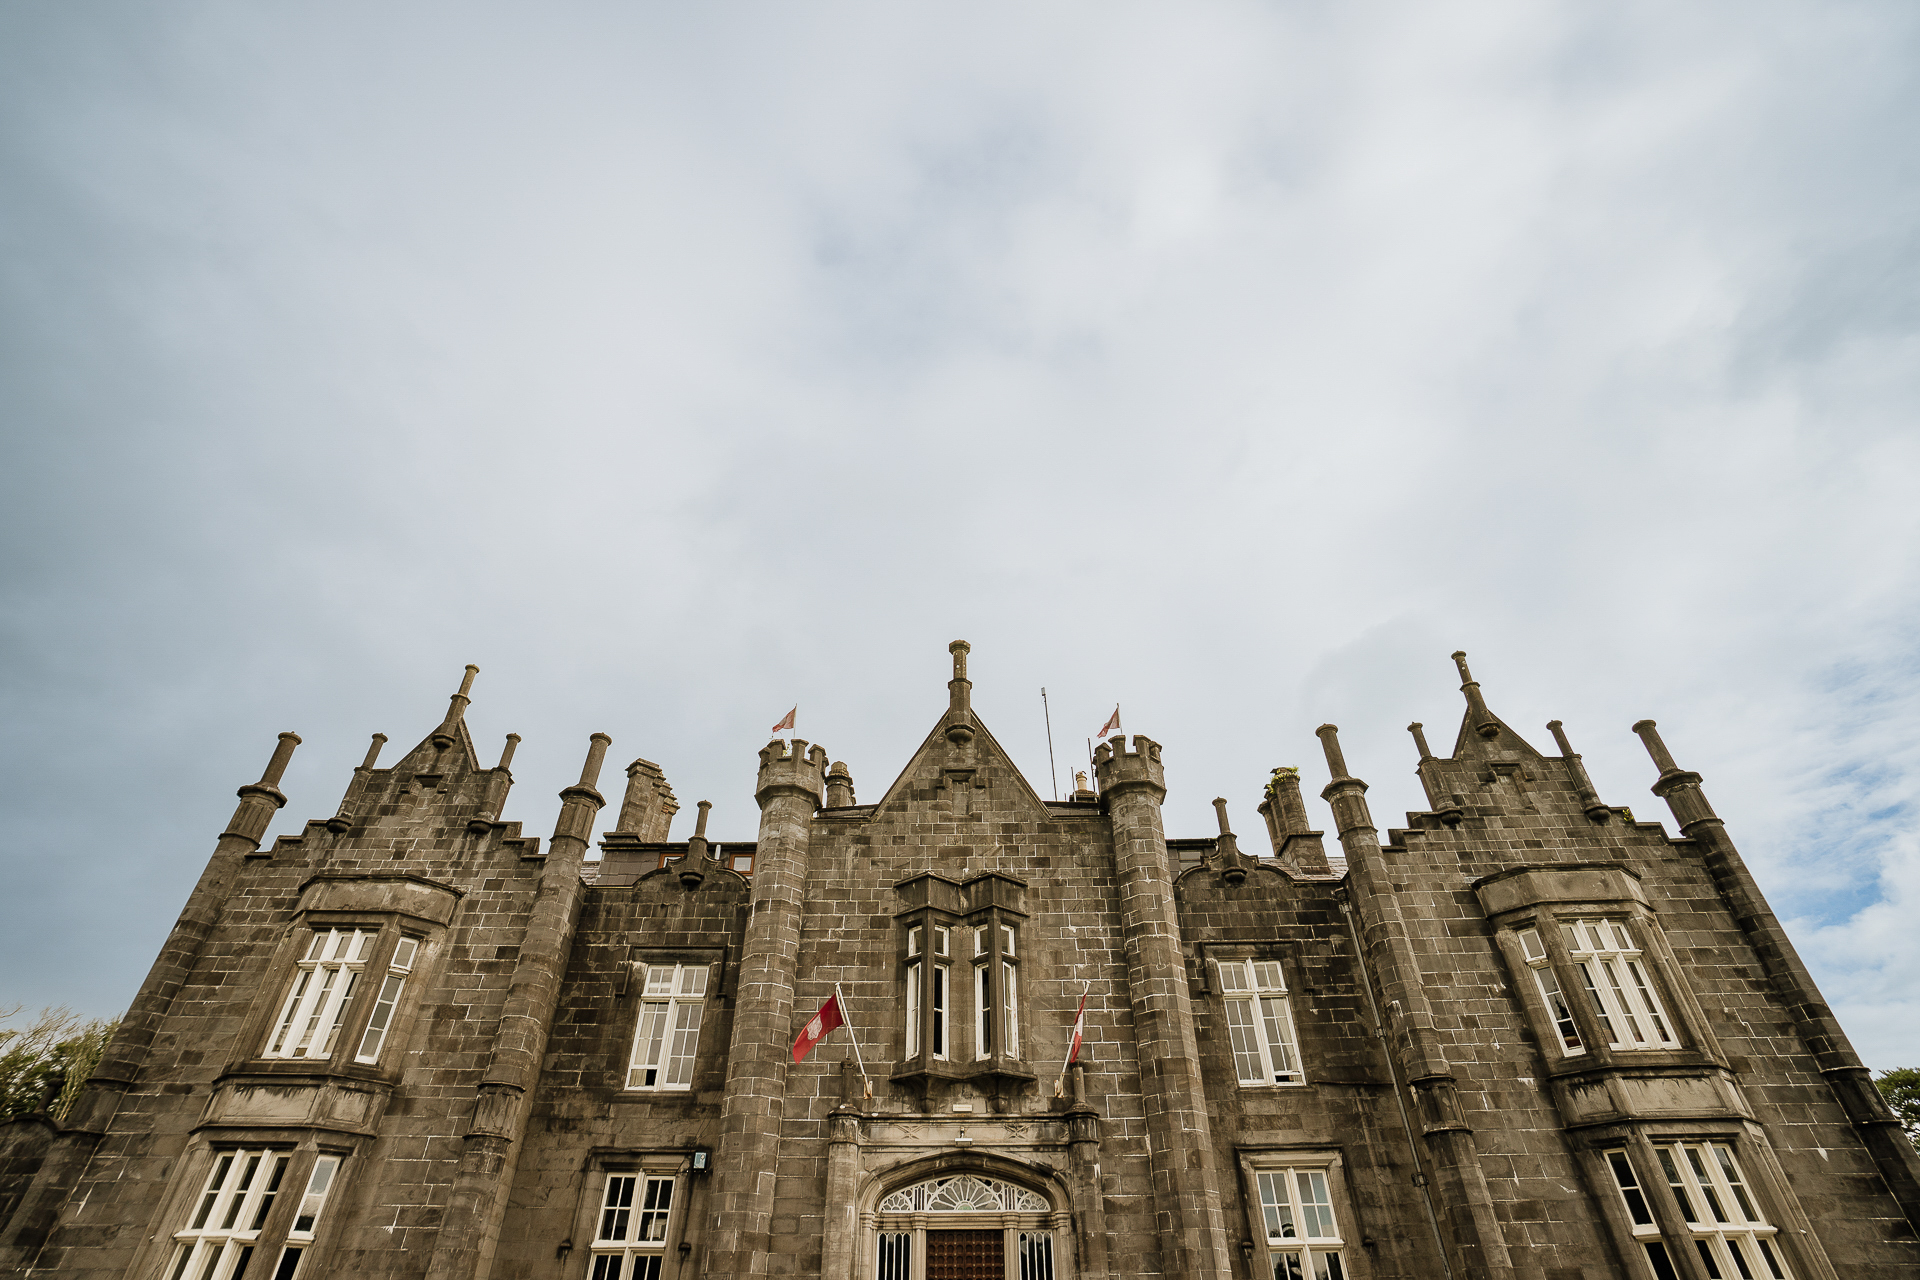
(1526, 1035)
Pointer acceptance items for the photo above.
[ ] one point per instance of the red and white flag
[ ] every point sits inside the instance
(1112, 726)
(824, 1022)
(786, 721)
(1079, 1028)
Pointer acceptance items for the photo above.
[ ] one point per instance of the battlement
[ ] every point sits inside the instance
(1118, 767)
(794, 764)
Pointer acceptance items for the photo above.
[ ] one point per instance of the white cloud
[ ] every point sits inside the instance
(1237, 362)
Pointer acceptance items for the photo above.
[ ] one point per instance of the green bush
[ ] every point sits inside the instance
(53, 1045)
(1901, 1088)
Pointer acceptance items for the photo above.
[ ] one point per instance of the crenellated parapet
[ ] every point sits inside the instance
(791, 766)
(1119, 768)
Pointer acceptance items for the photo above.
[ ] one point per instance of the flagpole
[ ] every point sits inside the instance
(853, 1036)
(1052, 774)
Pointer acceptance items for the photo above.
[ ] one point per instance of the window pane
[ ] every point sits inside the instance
(1531, 946)
(1278, 1026)
(1266, 976)
(1630, 1189)
(686, 1043)
(1678, 1184)
(896, 1253)
(616, 1212)
(659, 980)
(1276, 1205)
(1010, 992)
(1246, 1047)
(403, 953)
(289, 1263)
(1006, 946)
(273, 1189)
(982, 1013)
(938, 1031)
(1286, 1266)
(606, 1266)
(1732, 1172)
(656, 1209)
(913, 1011)
(913, 941)
(1233, 976)
(693, 979)
(316, 1196)
(240, 1192)
(1316, 1206)
(382, 1014)
(1706, 1183)
(1708, 1261)
(1657, 1259)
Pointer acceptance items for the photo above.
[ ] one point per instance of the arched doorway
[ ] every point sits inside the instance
(967, 1226)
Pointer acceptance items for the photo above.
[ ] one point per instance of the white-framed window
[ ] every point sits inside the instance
(1298, 1225)
(630, 1236)
(306, 1220)
(223, 1228)
(1259, 1023)
(996, 1013)
(1548, 984)
(913, 1009)
(384, 1004)
(1731, 1235)
(1615, 976)
(1646, 1231)
(667, 1038)
(323, 984)
(983, 1011)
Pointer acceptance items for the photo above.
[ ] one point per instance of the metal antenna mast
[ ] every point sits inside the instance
(1052, 774)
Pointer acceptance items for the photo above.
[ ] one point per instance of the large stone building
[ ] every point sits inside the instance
(1527, 1035)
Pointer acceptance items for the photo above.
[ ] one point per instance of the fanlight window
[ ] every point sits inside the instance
(964, 1194)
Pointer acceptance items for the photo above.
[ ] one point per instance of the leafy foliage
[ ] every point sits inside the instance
(1901, 1088)
(53, 1047)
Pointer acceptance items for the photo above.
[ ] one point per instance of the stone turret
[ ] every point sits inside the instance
(495, 1133)
(1481, 1247)
(789, 789)
(839, 786)
(1193, 1239)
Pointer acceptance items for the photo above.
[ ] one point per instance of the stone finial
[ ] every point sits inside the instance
(596, 757)
(1484, 723)
(690, 873)
(1329, 735)
(839, 786)
(282, 755)
(373, 750)
(456, 710)
(1220, 812)
(506, 752)
(1419, 733)
(960, 701)
(1662, 759)
(259, 800)
(1582, 784)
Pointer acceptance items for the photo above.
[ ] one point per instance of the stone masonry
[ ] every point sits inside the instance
(1526, 1036)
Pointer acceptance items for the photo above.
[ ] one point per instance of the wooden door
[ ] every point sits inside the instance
(966, 1255)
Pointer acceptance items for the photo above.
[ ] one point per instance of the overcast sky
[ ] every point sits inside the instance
(1231, 362)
